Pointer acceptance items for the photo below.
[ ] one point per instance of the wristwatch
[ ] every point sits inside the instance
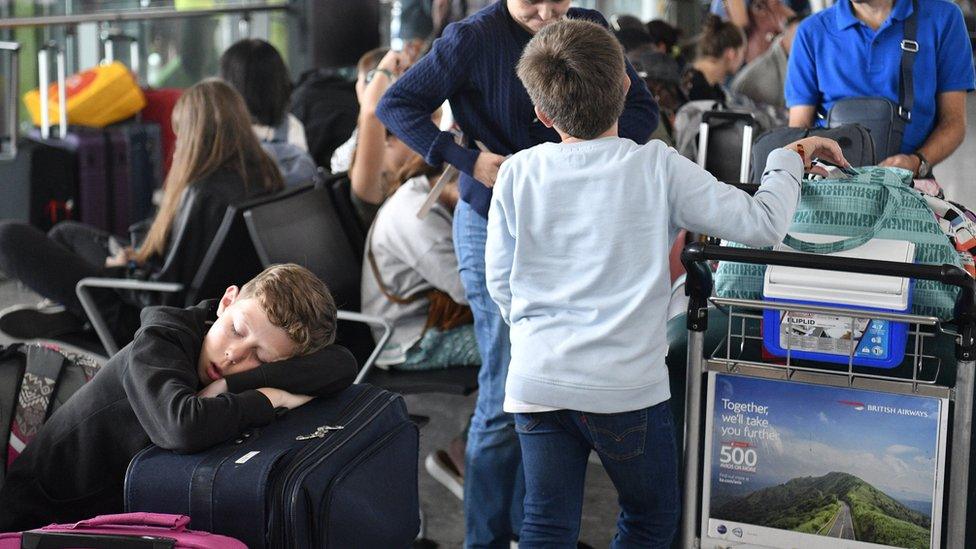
(924, 168)
(372, 74)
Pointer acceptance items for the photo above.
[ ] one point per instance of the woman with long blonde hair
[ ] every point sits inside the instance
(216, 155)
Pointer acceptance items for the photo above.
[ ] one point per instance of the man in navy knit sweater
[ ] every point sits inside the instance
(473, 66)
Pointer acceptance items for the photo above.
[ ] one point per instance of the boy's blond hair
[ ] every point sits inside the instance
(574, 72)
(296, 301)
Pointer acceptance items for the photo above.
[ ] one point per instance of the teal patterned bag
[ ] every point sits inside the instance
(876, 203)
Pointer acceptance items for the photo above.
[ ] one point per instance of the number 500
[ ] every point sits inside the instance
(739, 456)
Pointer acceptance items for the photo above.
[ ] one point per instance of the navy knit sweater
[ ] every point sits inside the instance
(473, 65)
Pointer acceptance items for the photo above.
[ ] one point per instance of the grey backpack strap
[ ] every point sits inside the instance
(41, 375)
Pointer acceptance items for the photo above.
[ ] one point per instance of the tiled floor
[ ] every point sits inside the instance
(448, 413)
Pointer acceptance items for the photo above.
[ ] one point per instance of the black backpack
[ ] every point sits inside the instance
(34, 381)
(855, 140)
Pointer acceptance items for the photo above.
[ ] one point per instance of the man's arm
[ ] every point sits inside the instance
(801, 116)
(802, 89)
(407, 106)
(948, 134)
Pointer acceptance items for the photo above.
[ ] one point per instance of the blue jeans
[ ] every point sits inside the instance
(493, 482)
(638, 452)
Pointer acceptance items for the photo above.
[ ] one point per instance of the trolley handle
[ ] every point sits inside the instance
(699, 281)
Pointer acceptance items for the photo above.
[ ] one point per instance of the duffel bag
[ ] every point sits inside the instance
(854, 140)
(876, 203)
(337, 472)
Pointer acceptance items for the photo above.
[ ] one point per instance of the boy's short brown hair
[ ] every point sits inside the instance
(296, 301)
(574, 72)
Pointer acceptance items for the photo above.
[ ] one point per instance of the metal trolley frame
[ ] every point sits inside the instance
(730, 359)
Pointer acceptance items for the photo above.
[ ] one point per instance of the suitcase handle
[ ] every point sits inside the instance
(110, 37)
(177, 523)
(44, 76)
(10, 104)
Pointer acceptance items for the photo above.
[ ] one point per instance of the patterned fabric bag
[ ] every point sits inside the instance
(876, 203)
(34, 381)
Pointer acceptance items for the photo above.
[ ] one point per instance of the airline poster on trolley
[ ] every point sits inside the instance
(792, 464)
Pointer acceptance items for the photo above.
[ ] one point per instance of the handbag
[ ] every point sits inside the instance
(882, 117)
(876, 203)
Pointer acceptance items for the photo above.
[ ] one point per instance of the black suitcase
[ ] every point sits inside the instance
(725, 144)
(38, 178)
(339, 472)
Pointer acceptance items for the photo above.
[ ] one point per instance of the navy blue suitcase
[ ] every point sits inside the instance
(338, 472)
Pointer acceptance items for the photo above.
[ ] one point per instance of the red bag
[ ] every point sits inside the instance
(131, 530)
(159, 109)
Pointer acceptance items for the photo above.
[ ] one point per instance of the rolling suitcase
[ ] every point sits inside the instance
(338, 472)
(136, 172)
(725, 144)
(122, 531)
(38, 178)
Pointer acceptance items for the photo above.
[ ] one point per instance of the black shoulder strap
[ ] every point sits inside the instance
(909, 47)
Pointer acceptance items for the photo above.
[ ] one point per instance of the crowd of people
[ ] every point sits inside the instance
(541, 119)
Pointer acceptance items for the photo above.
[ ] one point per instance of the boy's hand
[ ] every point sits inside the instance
(818, 147)
(284, 399)
(216, 388)
(486, 168)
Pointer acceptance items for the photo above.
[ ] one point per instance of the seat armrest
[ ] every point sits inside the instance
(83, 290)
(385, 337)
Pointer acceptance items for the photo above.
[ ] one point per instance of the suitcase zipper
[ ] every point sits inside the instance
(301, 472)
(353, 408)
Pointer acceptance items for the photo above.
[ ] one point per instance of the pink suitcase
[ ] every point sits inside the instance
(128, 530)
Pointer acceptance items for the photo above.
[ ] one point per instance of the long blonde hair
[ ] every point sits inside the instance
(213, 131)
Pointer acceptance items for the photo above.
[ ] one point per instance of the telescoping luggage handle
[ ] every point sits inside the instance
(44, 77)
(699, 281)
(10, 100)
(109, 39)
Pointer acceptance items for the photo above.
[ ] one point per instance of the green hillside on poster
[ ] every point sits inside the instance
(811, 504)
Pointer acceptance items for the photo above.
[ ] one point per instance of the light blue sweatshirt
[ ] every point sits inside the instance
(577, 261)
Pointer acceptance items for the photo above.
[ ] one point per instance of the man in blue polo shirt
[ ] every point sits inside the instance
(853, 49)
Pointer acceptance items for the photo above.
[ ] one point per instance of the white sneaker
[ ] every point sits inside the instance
(439, 465)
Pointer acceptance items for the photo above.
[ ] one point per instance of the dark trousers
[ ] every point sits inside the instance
(52, 264)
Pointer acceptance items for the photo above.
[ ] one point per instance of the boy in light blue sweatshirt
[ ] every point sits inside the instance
(577, 261)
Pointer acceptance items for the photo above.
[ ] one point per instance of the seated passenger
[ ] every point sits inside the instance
(577, 261)
(216, 154)
(410, 277)
(721, 50)
(763, 79)
(342, 157)
(379, 154)
(259, 74)
(191, 379)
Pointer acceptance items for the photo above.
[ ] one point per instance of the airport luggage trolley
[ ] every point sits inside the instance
(924, 385)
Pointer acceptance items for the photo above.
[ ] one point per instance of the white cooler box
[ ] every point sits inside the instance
(831, 337)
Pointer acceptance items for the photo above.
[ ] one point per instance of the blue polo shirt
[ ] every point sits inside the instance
(836, 56)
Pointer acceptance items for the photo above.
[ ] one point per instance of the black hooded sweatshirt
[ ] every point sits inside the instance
(146, 394)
